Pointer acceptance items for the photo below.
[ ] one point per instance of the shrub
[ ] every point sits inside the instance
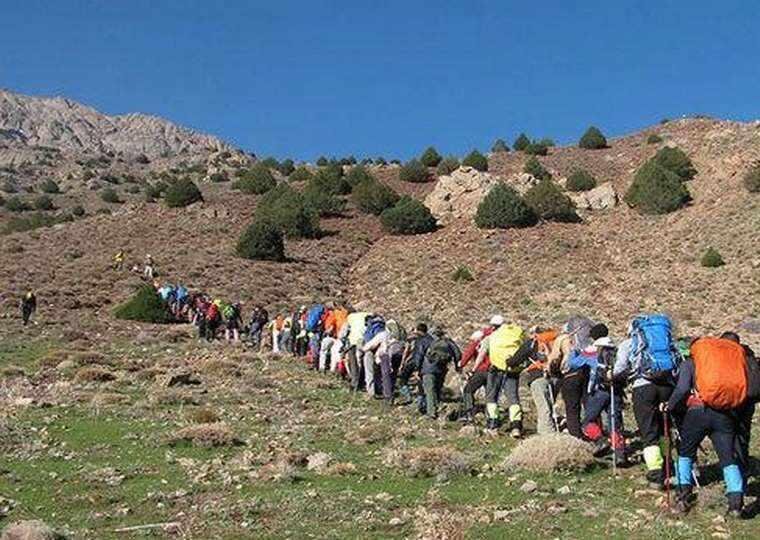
(322, 161)
(551, 453)
(521, 143)
(580, 180)
(78, 210)
(447, 166)
(270, 163)
(752, 179)
(503, 208)
(537, 148)
(286, 167)
(550, 204)
(256, 181)
(205, 435)
(330, 180)
(656, 190)
(109, 195)
(219, 177)
(261, 241)
(463, 273)
(155, 191)
(50, 186)
(323, 202)
(413, 171)
(357, 175)
(16, 204)
(593, 139)
(301, 174)
(548, 142)
(654, 139)
(476, 160)
(499, 145)
(534, 167)
(142, 159)
(430, 157)
(373, 197)
(32, 222)
(408, 216)
(712, 258)
(676, 161)
(43, 202)
(144, 306)
(286, 208)
(182, 193)
(380, 160)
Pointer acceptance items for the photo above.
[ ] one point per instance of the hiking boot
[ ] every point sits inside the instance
(516, 433)
(405, 396)
(656, 479)
(735, 506)
(466, 418)
(601, 447)
(492, 424)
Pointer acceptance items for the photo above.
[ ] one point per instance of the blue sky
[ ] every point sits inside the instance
(303, 79)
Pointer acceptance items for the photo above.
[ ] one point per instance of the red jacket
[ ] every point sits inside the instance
(470, 352)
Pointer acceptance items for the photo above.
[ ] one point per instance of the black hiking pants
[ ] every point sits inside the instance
(646, 408)
(477, 380)
(26, 314)
(743, 431)
(573, 390)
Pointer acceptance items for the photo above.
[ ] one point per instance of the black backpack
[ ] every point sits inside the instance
(439, 352)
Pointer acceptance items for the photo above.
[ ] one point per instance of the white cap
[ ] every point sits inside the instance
(496, 320)
(477, 335)
(605, 341)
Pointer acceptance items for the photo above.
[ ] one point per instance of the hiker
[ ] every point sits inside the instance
(28, 306)
(201, 309)
(600, 401)
(569, 359)
(329, 340)
(477, 377)
(386, 347)
(712, 386)
(233, 322)
(118, 260)
(259, 318)
(213, 319)
(441, 351)
(375, 324)
(148, 268)
(314, 328)
(286, 335)
(542, 387)
(352, 336)
(747, 411)
(648, 357)
(181, 299)
(500, 346)
(300, 337)
(412, 364)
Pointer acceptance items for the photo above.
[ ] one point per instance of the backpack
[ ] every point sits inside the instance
(314, 317)
(395, 330)
(212, 313)
(653, 346)
(581, 358)
(375, 325)
(720, 372)
(503, 344)
(439, 352)
(229, 312)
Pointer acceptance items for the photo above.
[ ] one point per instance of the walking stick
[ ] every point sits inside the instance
(612, 427)
(666, 425)
(554, 411)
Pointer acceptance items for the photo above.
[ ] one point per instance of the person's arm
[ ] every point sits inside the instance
(522, 356)
(557, 353)
(622, 362)
(482, 353)
(456, 354)
(683, 386)
(470, 352)
(375, 342)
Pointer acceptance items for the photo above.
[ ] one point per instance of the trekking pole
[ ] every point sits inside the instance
(554, 411)
(613, 436)
(666, 426)
(694, 475)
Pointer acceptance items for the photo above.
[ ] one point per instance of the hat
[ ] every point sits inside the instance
(605, 342)
(496, 320)
(477, 335)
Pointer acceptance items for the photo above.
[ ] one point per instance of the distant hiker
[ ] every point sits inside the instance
(300, 336)
(477, 377)
(599, 402)
(417, 348)
(286, 335)
(213, 319)
(149, 268)
(314, 327)
(259, 318)
(118, 260)
(233, 322)
(500, 346)
(649, 358)
(28, 306)
(375, 325)
(352, 335)
(440, 353)
(386, 347)
(712, 386)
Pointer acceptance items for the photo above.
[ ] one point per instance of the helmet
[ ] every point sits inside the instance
(496, 320)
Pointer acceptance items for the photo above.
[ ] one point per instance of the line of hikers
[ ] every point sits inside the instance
(696, 387)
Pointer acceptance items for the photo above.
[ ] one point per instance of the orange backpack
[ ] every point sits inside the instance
(720, 368)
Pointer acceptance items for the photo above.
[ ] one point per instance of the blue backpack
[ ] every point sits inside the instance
(375, 325)
(314, 317)
(653, 346)
(581, 358)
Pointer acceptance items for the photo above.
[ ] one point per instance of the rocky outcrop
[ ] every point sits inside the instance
(457, 195)
(601, 197)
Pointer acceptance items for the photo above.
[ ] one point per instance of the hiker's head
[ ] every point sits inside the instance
(598, 331)
(496, 321)
(421, 328)
(535, 330)
(733, 336)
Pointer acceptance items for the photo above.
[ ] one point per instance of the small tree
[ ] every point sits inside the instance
(550, 204)
(499, 145)
(476, 160)
(286, 208)
(675, 160)
(301, 174)
(181, 193)
(503, 208)
(593, 139)
(533, 167)
(752, 179)
(380, 160)
(44, 202)
(373, 197)
(322, 161)
(330, 180)
(109, 195)
(656, 190)
(712, 258)
(537, 148)
(270, 163)
(447, 166)
(286, 167)
(653, 138)
(357, 175)
(413, 171)
(521, 143)
(408, 216)
(261, 241)
(256, 181)
(16, 204)
(430, 157)
(144, 306)
(50, 186)
(9, 186)
(78, 210)
(580, 180)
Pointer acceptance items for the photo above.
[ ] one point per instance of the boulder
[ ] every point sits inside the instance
(602, 197)
(458, 195)
(522, 182)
